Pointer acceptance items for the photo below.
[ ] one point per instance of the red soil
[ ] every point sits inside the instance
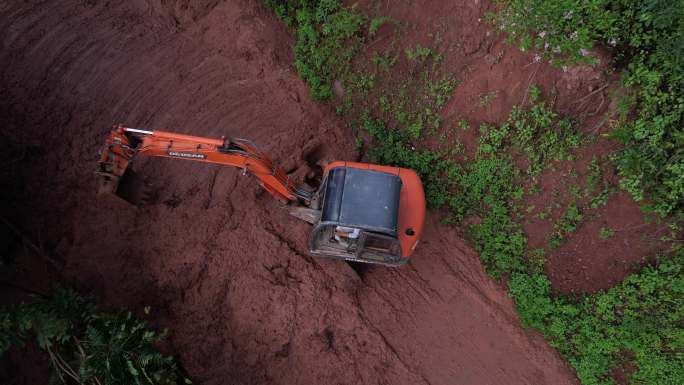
(223, 266)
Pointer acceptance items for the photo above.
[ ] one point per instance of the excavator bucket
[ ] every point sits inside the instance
(131, 188)
(135, 189)
(108, 185)
(116, 178)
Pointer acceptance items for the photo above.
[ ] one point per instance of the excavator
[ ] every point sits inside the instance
(360, 212)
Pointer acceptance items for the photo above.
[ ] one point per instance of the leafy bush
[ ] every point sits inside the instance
(536, 132)
(328, 37)
(87, 346)
(287, 10)
(560, 29)
(567, 224)
(648, 41)
(642, 315)
(606, 232)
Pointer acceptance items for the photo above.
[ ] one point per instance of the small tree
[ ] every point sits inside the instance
(86, 346)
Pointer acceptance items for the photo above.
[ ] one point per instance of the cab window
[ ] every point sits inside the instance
(379, 247)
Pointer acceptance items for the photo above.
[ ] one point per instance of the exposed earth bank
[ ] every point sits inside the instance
(221, 263)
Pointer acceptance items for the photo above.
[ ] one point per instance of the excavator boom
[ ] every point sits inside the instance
(124, 143)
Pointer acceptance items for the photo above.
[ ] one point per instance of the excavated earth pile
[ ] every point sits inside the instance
(220, 263)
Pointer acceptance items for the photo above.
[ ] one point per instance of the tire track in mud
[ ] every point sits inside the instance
(231, 277)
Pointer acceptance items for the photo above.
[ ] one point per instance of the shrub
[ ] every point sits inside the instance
(328, 37)
(88, 346)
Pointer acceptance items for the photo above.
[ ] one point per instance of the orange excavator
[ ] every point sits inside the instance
(361, 212)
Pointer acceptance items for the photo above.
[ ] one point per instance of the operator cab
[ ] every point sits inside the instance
(369, 214)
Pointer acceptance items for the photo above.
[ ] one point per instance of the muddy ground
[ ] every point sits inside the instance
(221, 263)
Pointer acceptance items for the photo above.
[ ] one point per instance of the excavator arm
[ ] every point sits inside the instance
(124, 143)
(361, 212)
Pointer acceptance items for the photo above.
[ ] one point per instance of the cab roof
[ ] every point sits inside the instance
(362, 198)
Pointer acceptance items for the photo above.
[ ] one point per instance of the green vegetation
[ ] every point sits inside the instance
(384, 61)
(592, 331)
(642, 315)
(328, 37)
(86, 346)
(606, 232)
(647, 38)
(639, 320)
(594, 176)
(408, 106)
(538, 133)
(486, 186)
(536, 260)
(567, 224)
(597, 188)
(375, 24)
(488, 98)
(418, 53)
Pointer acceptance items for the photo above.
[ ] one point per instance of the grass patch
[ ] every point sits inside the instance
(409, 106)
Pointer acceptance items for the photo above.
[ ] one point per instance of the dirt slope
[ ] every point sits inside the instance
(221, 264)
